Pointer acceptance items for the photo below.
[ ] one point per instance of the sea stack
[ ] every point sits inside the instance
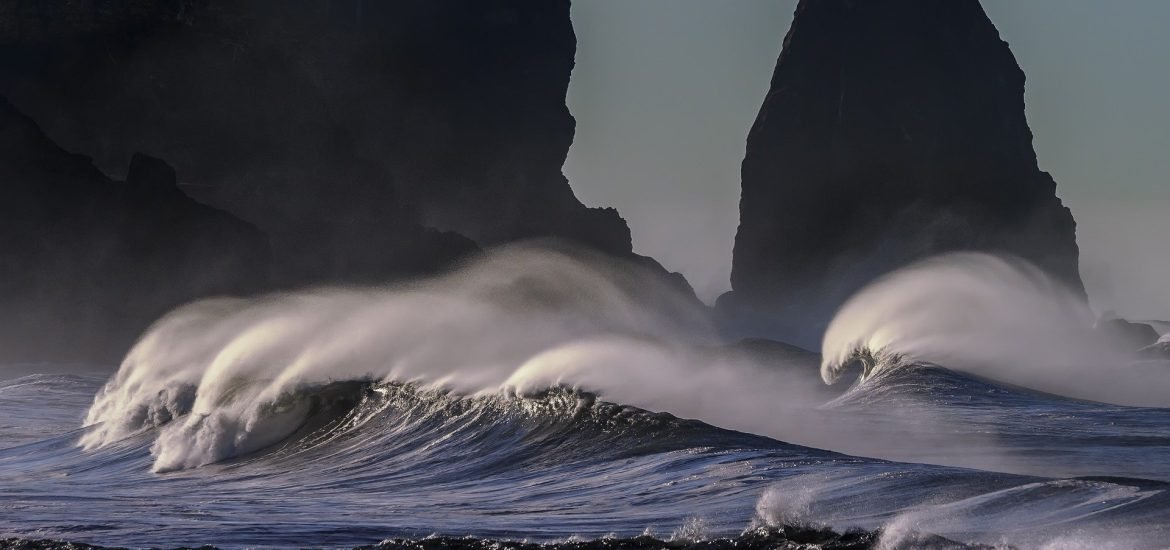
(892, 130)
(87, 262)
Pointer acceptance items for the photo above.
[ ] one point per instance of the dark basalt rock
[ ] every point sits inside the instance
(324, 122)
(786, 537)
(1125, 334)
(1159, 351)
(370, 141)
(893, 130)
(86, 263)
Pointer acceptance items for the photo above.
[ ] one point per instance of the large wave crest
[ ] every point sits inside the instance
(994, 316)
(221, 378)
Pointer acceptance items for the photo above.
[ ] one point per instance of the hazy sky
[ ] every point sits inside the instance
(665, 91)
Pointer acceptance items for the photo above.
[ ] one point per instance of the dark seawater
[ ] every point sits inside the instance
(403, 466)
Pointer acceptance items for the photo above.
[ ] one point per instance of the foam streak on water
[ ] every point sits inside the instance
(536, 395)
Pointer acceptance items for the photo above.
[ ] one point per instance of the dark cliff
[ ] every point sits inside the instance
(86, 263)
(893, 130)
(369, 141)
(361, 136)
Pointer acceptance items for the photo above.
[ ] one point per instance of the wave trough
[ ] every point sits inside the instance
(539, 396)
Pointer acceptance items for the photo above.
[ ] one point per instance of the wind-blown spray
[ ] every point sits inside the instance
(519, 320)
(992, 316)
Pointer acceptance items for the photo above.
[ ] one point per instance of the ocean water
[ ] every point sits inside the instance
(590, 416)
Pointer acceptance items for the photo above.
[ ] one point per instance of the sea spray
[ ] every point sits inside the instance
(519, 320)
(992, 316)
(225, 378)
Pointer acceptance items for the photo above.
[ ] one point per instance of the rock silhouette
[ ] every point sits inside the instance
(370, 141)
(86, 262)
(328, 119)
(892, 130)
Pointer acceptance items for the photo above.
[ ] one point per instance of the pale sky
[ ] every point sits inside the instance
(665, 91)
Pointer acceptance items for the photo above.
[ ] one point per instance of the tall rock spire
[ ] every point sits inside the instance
(892, 130)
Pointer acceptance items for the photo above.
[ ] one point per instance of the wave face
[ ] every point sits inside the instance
(996, 317)
(217, 377)
(538, 396)
(231, 367)
(377, 460)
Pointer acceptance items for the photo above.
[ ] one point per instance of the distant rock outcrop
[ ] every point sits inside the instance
(370, 141)
(1158, 351)
(1126, 335)
(341, 128)
(893, 130)
(86, 263)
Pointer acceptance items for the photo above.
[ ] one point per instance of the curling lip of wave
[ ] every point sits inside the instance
(995, 317)
(220, 377)
(442, 389)
(545, 453)
(952, 306)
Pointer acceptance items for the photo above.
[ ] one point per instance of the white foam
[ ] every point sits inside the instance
(518, 320)
(992, 316)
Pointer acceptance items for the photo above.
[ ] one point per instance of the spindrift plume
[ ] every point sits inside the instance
(223, 378)
(993, 316)
(531, 384)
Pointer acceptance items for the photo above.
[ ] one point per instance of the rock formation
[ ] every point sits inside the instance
(893, 130)
(340, 125)
(1126, 335)
(1158, 351)
(86, 263)
(370, 141)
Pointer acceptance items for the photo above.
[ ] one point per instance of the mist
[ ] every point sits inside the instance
(518, 320)
(1125, 258)
(343, 273)
(665, 92)
(996, 317)
(223, 378)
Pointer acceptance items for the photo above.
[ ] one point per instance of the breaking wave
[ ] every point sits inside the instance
(541, 397)
(222, 378)
(992, 316)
